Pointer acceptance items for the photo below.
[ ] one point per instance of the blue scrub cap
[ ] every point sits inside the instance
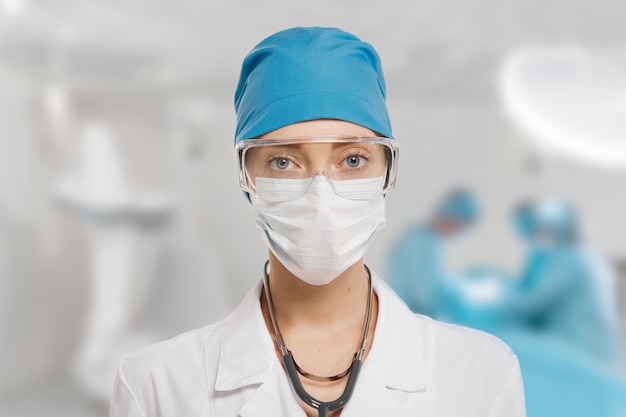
(312, 73)
(459, 204)
(554, 216)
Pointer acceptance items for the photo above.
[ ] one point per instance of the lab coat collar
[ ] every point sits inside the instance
(247, 349)
(395, 363)
(398, 351)
(394, 369)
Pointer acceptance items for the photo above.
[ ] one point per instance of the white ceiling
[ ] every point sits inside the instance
(430, 48)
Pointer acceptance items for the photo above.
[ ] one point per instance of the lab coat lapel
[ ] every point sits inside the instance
(274, 398)
(249, 375)
(394, 374)
(247, 350)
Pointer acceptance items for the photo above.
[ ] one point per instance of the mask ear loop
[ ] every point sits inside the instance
(322, 407)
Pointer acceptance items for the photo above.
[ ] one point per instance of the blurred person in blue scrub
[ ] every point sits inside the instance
(563, 287)
(556, 316)
(415, 266)
(557, 319)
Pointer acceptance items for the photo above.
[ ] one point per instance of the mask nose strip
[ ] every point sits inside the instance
(320, 173)
(318, 184)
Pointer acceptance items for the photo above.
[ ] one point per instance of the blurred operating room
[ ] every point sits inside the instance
(122, 222)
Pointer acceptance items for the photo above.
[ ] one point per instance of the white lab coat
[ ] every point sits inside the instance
(416, 367)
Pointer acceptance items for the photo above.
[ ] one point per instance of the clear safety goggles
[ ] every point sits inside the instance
(341, 159)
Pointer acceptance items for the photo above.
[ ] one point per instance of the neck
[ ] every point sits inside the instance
(322, 326)
(340, 303)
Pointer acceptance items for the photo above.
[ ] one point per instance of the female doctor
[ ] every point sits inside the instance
(320, 335)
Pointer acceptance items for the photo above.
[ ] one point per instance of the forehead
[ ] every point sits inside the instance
(321, 127)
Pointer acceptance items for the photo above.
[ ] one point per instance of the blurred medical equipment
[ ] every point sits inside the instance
(569, 100)
(100, 194)
(152, 274)
(72, 68)
(415, 266)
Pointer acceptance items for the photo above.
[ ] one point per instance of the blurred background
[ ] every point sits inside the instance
(122, 222)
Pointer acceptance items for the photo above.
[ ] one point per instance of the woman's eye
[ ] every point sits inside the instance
(281, 163)
(353, 161)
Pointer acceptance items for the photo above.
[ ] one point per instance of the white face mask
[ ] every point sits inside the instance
(319, 235)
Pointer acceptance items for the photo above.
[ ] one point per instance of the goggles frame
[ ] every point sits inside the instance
(392, 151)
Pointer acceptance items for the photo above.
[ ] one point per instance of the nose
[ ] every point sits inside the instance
(318, 156)
(321, 173)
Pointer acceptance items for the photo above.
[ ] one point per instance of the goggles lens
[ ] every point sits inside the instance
(339, 159)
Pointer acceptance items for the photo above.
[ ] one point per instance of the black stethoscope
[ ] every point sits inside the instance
(293, 369)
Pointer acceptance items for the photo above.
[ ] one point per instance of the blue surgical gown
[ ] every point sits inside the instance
(555, 319)
(559, 295)
(415, 270)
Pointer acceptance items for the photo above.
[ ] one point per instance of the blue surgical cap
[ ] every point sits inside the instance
(459, 204)
(555, 217)
(302, 74)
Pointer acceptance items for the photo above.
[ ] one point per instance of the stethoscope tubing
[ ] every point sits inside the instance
(289, 363)
(322, 407)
